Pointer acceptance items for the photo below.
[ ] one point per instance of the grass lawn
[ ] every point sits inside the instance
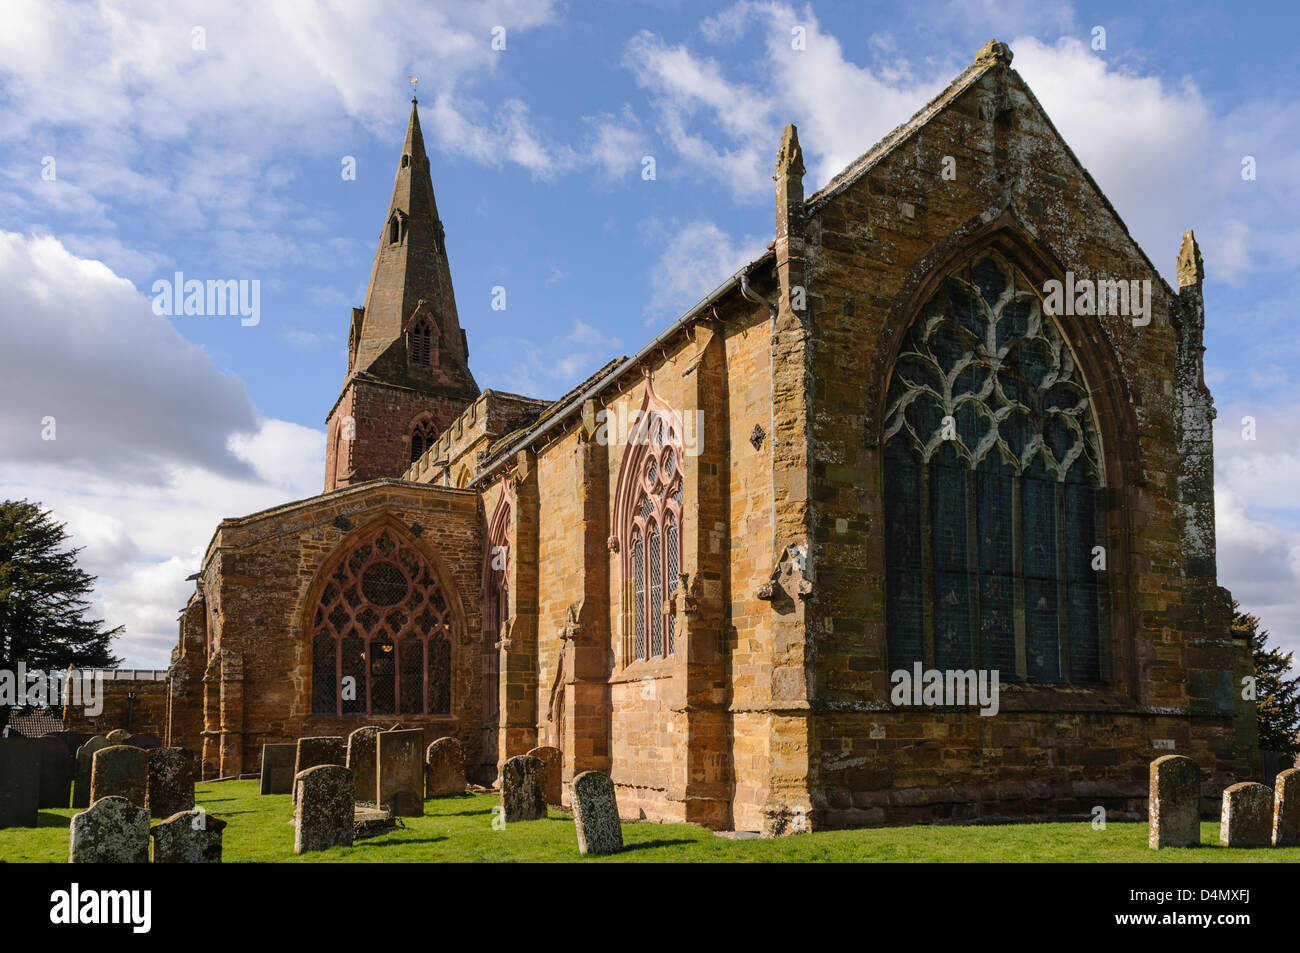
(460, 829)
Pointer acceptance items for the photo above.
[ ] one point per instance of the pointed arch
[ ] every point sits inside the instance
(646, 523)
(423, 435)
(380, 615)
(994, 483)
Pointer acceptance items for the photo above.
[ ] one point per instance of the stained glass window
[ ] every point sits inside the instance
(993, 490)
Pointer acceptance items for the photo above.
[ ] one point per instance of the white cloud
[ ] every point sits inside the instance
(153, 446)
(124, 388)
(696, 259)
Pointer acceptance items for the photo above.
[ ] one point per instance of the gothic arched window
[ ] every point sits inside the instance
(422, 342)
(423, 436)
(382, 631)
(993, 490)
(648, 515)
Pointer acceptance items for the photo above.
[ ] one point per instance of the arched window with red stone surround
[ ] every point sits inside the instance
(422, 342)
(423, 436)
(382, 633)
(647, 529)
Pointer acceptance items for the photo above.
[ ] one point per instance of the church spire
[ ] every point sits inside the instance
(410, 281)
(408, 360)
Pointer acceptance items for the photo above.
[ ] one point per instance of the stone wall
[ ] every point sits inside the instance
(138, 704)
(261, 577)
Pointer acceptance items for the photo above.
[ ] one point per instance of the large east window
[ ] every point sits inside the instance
(994, 515)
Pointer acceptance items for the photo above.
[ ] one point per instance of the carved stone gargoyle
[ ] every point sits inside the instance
(788, 578)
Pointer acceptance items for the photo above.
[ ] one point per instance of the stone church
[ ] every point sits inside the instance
(875, 449)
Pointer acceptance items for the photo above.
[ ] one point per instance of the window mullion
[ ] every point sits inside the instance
(1062, 586)
(927, 567)
(1018, 576)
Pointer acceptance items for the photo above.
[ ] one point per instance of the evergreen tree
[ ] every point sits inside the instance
(44, 599)
(1277, 696)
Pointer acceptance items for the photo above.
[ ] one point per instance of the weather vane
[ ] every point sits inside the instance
(414, 81)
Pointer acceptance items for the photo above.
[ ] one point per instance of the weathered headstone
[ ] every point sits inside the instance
(595, 814)
(361, 761)
(1286, 808)
(1173, 809)
(110, 831)
(58, 767)
(119, 771)
(323, 816)
(81, 783)
(145, 741)
(553, 781)
(1247, 818)
(188, 837)
(399, 772)
(445, 768)
(118, 736)
(277, 768)
(20, 781)
(522, 797)
(328, 749)
(170, 788)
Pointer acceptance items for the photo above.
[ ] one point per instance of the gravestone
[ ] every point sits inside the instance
(119, 771)
(1286, 808)
(118, 736)
(445, 768)
(20, 781)
(522, 797)
(110, 831)
(399, 772)
(1247, 818)
(553, 781)
(188, 837)
(58, 767)
(147, 742)
(1173, 808)
(277, 768)
(323, 816)
(81, 783)
(595, 814)
(328, 749)
(170, 787)
(361, 761)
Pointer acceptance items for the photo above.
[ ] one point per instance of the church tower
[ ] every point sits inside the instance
(408, 372)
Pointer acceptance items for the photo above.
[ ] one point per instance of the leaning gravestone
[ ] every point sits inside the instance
(553, 781)
(399, 772)
(110, 831)
(277, 768)
(85, 757)
(118, 736)
(522, 798)
(170, 787)
(119, 771)
(1174, 816)
(144, 741)
(1286, 808)
(328, 749)
(188, 837)
(323, 816)
(20, 781)
(595, 814)
(361, 761)
(445, 768)
(58, 767)
(1247, 818)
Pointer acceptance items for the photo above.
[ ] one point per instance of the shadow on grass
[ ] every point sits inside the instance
(380, 842)
(643, 845)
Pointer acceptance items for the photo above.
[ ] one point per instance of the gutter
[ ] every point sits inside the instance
(739, 279)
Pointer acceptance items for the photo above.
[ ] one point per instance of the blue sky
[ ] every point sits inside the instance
(225, 161)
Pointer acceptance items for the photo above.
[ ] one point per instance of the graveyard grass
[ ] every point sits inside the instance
(459, 829)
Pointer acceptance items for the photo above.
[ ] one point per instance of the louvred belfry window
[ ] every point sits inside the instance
(382, 631)
(993, 490)
(423, 436)
(651, 531)
(422, 342)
